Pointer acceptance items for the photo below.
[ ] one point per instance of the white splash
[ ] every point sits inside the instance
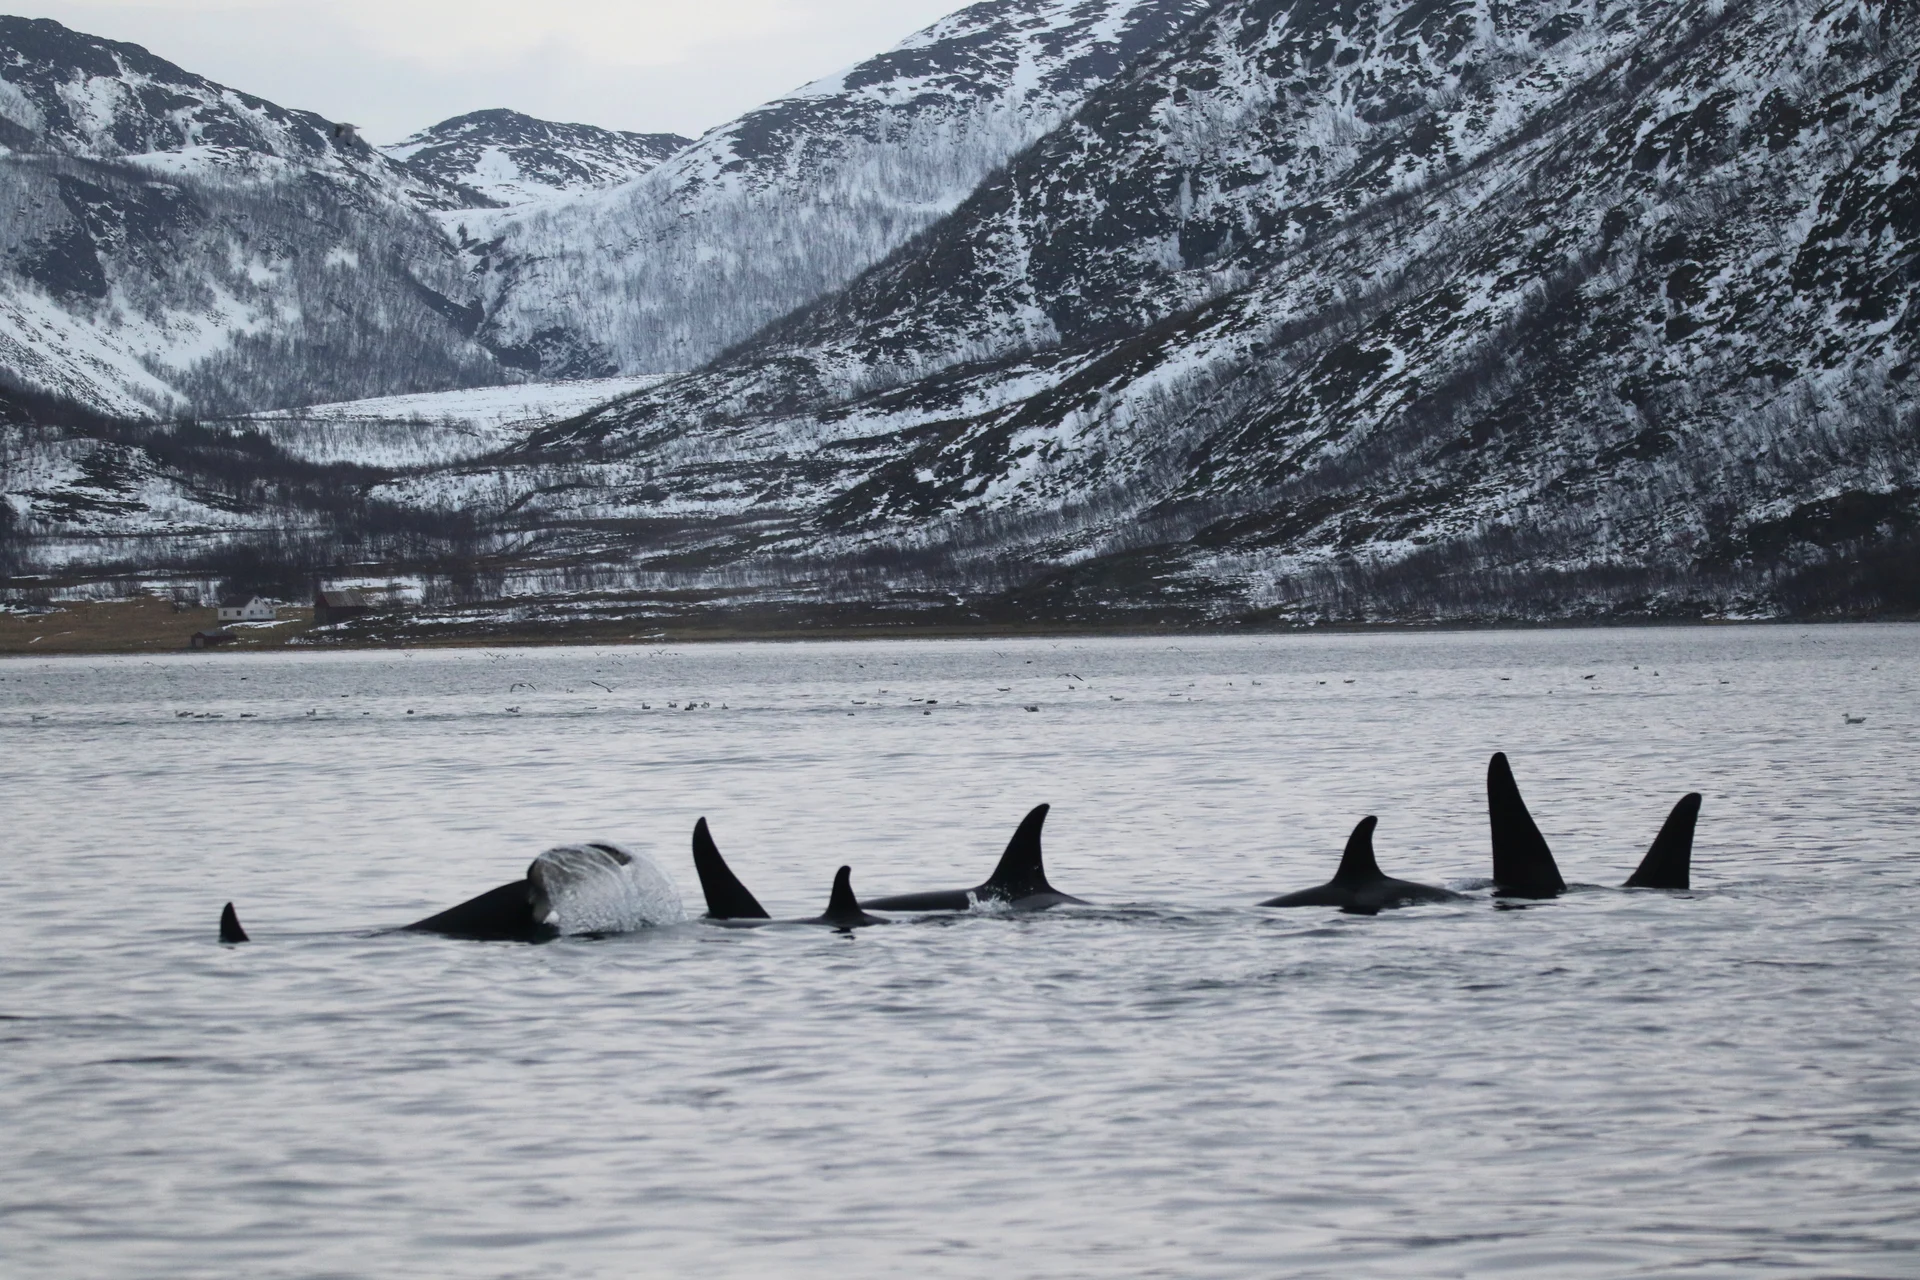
(600, 888)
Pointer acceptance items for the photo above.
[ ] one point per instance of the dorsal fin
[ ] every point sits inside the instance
(843, 908)
(1522, 863)
(727, 898)
(1357, 865)
(1020, 872)
(230, 930)
(1669, 863)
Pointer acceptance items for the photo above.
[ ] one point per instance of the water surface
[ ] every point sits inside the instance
(1172, 1081)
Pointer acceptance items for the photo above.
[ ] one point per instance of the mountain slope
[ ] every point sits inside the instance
(1432, 307)
(1368, 310)
(765, 213)
(174, 244)
(513, 159)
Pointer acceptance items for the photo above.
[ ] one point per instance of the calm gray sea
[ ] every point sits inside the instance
(1170, 1082)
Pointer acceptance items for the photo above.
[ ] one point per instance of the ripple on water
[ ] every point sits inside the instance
(1168, 1081)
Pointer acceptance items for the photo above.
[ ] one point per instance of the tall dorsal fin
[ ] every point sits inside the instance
(843, 908)
(727, 898)
(1357, 865)
(1020, 872)
(1522, 863)
(1669, 863)
(230, 930)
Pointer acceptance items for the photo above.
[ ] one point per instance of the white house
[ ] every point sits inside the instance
(246, 609)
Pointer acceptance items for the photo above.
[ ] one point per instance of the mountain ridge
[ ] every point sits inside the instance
(512, 158)
(175, 244)
(660, 274)
(1366, 320)
(143, 290)
(1313, 312)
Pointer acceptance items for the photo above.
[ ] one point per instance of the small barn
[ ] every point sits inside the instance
(246, 609)
(208, 639)
(338, 606)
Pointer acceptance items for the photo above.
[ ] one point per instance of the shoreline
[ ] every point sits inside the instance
(152, 625)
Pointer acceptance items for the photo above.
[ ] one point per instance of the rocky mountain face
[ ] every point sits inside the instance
(794, 198)
(178, 246)
(171, 243)
(1310, 310)
(514, 159)
(1442, 309)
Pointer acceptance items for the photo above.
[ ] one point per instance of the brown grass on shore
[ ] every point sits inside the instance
(151, 624)
(145, 624)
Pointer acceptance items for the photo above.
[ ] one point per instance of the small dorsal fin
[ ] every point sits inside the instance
(230, 930)
(1669, 863)
(843, 907)
(727, 898)
(1020, 873)
(1357, 865)
(1522, 863)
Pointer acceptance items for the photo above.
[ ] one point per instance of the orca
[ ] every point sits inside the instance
(519, 911)
(515, 912)
(730, 903)
(1669, 860)
(1523, 865)
(727, 898)
(1359, 886)
(1020, 880)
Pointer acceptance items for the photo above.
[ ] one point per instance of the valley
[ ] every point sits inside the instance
(1118, 314)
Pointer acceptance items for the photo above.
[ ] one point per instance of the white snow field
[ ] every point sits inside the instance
(435, 428)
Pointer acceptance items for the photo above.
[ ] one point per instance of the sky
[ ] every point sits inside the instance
(395, 66)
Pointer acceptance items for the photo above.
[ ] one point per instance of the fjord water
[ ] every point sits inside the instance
(1724, 1082)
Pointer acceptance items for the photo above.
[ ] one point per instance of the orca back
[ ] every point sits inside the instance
(1359, 886)
(930, 900)
(505, 914)
(1020, 873)
(1522, 863)
(727, 898)
(230, 930)
(1669, 862)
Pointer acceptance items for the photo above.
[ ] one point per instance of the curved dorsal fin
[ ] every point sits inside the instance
(1522, 863)
(230, 930)
(727, 898)
(1020, 872)
(843, 908)
(1669, 863)
(1357, 865)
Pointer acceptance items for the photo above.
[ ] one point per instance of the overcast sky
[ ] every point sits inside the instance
(394, 66)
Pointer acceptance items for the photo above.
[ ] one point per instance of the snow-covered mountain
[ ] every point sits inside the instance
(1411, 309)
(765, 213)
(514, 159)
(181, 246)
(1400, 308)
(171, 243)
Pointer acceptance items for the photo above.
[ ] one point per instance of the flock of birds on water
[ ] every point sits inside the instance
(1523, 867)
(694, 705)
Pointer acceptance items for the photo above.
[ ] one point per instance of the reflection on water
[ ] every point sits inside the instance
(1720, 1082)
